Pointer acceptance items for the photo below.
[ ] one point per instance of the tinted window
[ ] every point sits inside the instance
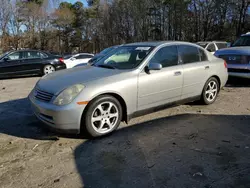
(83, 57)
(31, 54)
(166, 56)
(43, 55)
(243, 41)
(203, 56)
(221, 45)
(189, 54)
(211, 48)
(14, 56)
(202, 44)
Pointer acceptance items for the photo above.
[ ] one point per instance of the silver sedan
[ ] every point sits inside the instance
(134, 79)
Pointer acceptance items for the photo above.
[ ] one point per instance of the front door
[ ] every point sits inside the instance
(162, 86)
(31, 61)
(11, 65)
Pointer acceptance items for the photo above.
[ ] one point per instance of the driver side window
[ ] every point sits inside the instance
(14, 56)
(166, 56)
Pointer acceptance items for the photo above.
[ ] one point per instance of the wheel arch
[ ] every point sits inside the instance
(116, 96)
(218, 79)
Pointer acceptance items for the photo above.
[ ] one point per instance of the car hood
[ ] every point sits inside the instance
(58, 81)
(234, 51)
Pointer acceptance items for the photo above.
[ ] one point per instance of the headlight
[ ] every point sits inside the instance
(68, 95)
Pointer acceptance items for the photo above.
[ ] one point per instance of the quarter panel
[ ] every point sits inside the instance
(194, 78)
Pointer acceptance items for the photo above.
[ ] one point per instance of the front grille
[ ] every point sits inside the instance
(239, 70)
(234, 59)
(43, 95)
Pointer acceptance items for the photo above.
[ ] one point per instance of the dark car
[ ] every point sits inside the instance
(237, 57)
(29, 62)
(102, 54)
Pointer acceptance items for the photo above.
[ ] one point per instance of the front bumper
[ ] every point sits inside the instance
(59, 118)
(239, 70)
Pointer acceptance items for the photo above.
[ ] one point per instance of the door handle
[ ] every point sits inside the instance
(178, 73)
(207, 67)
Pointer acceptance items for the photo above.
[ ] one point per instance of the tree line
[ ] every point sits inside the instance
(63, 27)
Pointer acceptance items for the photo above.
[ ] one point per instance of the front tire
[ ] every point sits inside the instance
(103, 116)
(210, 91)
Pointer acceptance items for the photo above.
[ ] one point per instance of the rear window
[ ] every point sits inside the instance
(221, 45)
(189, 54)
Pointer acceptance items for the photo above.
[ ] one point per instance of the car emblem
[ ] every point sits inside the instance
(232, 58)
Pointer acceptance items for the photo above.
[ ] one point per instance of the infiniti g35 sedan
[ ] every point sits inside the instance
(133, 80)
(29, 62)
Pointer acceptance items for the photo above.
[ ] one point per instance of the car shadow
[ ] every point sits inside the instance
(17, 119)
(20, 77)
(187, 150)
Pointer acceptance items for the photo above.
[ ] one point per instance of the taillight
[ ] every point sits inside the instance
(61, 60)
(225, 64)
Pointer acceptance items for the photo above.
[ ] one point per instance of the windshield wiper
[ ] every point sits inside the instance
(105, 66)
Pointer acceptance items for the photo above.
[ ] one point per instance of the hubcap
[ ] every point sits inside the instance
(211, 91)
(104, 117)
(49, 69)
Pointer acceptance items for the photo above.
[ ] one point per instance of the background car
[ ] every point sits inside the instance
(131, 80)
(29, 62)
(73, 60)
(237, 57)
(213, 46)
(102, 54)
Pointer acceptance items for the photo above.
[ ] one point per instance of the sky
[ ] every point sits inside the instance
(73, 1)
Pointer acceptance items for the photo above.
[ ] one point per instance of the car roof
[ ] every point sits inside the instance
(157, 43)
(247, 34)
(212, 41)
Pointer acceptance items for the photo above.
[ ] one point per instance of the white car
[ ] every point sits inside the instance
(213, 46)
(73, 60)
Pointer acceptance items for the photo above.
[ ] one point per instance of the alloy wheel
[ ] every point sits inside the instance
(105, 117)
(211, 91)
(48, 69)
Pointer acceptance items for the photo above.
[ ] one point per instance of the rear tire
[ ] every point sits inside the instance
(210, 91)
(48, 69)
(102, 116)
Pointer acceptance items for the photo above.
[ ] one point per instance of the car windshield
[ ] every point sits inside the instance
(106, 50)
(2, 55)
(126, 57)
(202, 44)
(242, 41)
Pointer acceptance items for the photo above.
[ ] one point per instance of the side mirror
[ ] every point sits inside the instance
(6, 59)
(73, 58)
(153, 66)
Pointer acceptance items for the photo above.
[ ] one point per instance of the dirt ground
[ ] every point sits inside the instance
(186, 146)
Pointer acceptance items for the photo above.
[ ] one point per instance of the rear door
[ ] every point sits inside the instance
(195, 70)
(11, 64)
(31, 61)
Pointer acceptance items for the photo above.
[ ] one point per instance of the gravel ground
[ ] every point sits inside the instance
(186, 146)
